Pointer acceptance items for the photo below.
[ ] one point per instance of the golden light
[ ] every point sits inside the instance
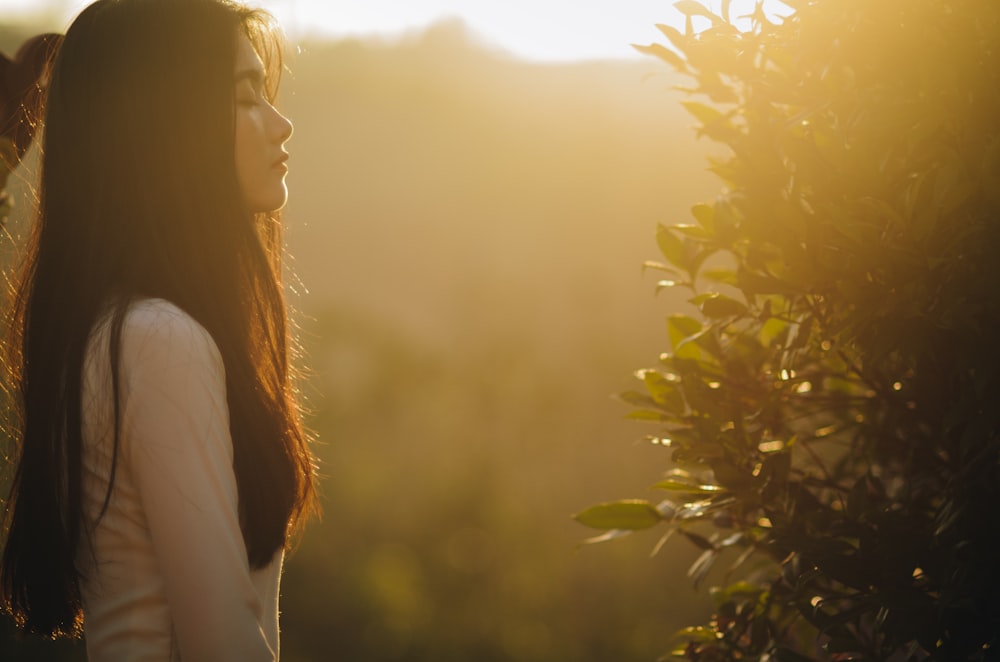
(549, 30)
(543, 30)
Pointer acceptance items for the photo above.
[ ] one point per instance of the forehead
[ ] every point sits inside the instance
(247, 58)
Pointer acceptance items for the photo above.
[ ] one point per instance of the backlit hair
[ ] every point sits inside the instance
(138, 198)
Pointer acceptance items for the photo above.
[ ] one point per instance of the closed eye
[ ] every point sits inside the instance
(249, 87)
(248, 94)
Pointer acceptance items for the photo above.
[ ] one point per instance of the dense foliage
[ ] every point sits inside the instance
(833, 410)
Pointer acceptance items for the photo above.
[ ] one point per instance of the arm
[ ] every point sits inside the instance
(175, 424)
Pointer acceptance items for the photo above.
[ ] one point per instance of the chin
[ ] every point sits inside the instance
(270, 202)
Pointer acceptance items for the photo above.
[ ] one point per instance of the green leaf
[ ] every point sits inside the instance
(671, 33)
(630, 514)
(702, 565)
(698, 633)
(754, 283)
(662, 541)
(606, 536)
(703, 340)
(663, 391)
(666, 284)
(699, 541)
(719, 305)
(705, 215)
(637, 399)
(681, 327)
(741, 589)
(703, 112)
(693, 231)
(657, 266)
(721, 275)
(662, 52)
(691, 8)
(698, 299)
(672, 247)
(679, 486)
(773, 330)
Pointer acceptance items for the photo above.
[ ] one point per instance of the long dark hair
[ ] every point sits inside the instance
(139, 198)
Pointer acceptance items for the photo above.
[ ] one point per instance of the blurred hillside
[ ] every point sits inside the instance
(491, 178)
(467, 232)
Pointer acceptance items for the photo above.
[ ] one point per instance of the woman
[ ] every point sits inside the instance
(161, 466)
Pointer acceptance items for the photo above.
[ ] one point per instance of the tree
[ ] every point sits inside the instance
(832, 410)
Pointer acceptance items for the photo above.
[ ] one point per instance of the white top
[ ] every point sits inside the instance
(168, 578)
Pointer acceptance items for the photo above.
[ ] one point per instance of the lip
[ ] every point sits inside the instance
(280, 162)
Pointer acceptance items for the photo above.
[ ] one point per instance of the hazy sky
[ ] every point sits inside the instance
(535, 29)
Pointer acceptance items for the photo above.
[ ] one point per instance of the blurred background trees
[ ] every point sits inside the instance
(831, 409)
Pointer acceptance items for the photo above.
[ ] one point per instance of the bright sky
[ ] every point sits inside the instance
(533, 29)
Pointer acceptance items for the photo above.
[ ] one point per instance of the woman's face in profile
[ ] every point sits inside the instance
(261, 132)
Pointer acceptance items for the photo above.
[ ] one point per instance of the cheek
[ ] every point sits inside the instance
(240, 135)
(247, 143)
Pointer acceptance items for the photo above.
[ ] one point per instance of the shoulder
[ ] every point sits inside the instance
(161, 318)
(152, 327)
(156, 311)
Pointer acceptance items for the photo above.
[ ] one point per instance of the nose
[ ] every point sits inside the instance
(280, 126)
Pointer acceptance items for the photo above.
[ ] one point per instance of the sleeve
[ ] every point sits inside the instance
(175, 424)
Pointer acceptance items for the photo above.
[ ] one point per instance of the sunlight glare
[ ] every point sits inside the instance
(540, 30)
(547, 30)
